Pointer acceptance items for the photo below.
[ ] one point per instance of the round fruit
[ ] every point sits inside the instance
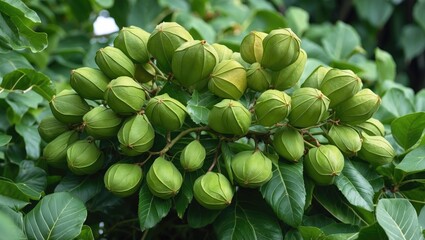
(229, 117)
(164, 179)
(102, 122)
(136, 135)
(340, 85)
(228, 80)
(125, 96)
(89, 83)
(289, 143)
(123, 179)
(251, 169)
(323, 164)
(114, 63)
(252, 47)
(84, 157)
(288, 76)
(376, 150)
(54, 153)
(272, 106)
(193, 156)
(49, 128)
(166, 112)
(345, 138)
(131, 38)
(358, 108)
(68, 107)
(213, 191)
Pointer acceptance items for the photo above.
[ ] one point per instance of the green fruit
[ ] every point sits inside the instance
(102, 123)
(223, 52)
(164, 40)
(213, 191)
(54, 153)
(228, 80)
(193, 62)
(289, 143)
(125, 96)
(89, 83)
(288, 76)
(376, 150)
(358, 108)
(251, 169)
(163, 179)
(166, 112)
(252, 47)
(68, 107)
(49, 128)
(136, 135)
(193, 156)
(258, 78)
(237, 56)
(323, 164)
(114, 63)
(133, 42)
(345, 138)
(316, 77)
(340, 85)
(144, 73)
(272, 106)
(372, 127)
(123, 179)
(229, 117)
(281, 48)
(309, 106)
(84, 157)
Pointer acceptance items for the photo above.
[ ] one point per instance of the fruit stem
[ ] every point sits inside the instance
(215, 158)
(157, 70)
(309, 144)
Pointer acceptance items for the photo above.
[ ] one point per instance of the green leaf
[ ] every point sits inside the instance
(185, 196)
(28, 79)
(356, 189)
(247, 218)
(12, 61)
(341, 42)
(313, 233)
(144, 14)
(151, 209)
(407, 130)
(199, 106)
(421, 218)
(376, 12)
(297, 19)
(420, 101)
(375, 180)
(82, 187)
(398, 219)
(8, 228)
(227, 157)
(198, 216)
(31, 138)
(373, 231)
(266, 20)
(31, 180)
(385, 65)
(418, 13)
(175, 4)
(332, 201)
(56, 216)
(86, 234)
(196, 26)
(293, 234)
(412, 39)
(12, 195)
(19, 9)
(285, 192)
(394, 105)
(105, 3)
(4, 139)
(414, 161)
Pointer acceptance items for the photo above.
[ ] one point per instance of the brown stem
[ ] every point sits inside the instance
(215, 161)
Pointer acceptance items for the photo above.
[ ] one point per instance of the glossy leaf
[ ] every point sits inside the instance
(9, 229)
(247, 218)
(151, 209)
(185, 196)
(198, 216)
(375, 180)
(376, 12)
(266, 20)
(414, 161)
(82, 187)
(199, 106)
(285, 192)
(420, 101)
(356, 189)
(11, 194)
(28, 79)
(385, 65)
(31, 180)
(86, 234)
(398, 219)
(341, 42)
(12, 61)
(31, 138)
(4, 139)
(56, 216)
(394, 105)
(407, 130)
(309, 232)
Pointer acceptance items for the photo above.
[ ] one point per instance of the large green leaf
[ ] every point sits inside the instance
(11, 61)
(385, 65)
(412, 39)
(356, 189)
(309, 232)
(29, 132)
(247, 218)
(11, 195)
(83, 187)
(373, 231)
(418, 13)
(420, 101)
(9, 229)
(199, 106)
(335, 204)
(376, 12)
(342, 42)
(398, 219)
(421, 218)
(266, 20)
(185, 196)
(394, 104)
(414, 161)
(407, 130)
(376, 180)
(297, 19)
(86, 234)
(56, 216)
(28, 79)
(31, 180)
(19, 9)
(4, 139)
(285, 192)
(151, 209)
(198, 216)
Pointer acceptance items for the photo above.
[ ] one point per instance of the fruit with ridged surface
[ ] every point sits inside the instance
(289, 143)
(213, 191)
(251, 169)
(102, 122)
(229, 117)
(164, 179)
(123, 179)
(166, 112)
(136, 135)
(84, 157)
(323, 164)
(193, 156)
(125, 96)
(272, 106)
(114, 63)
(68, 107)
(228, 80)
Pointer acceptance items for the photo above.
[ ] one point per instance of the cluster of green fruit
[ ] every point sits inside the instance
(122, 100)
